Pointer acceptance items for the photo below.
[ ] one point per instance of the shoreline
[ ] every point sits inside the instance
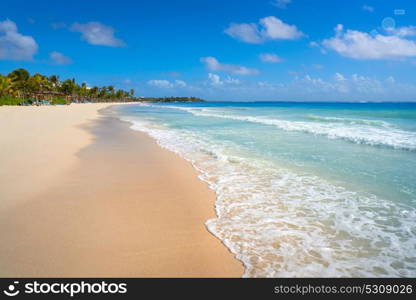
(90, 233)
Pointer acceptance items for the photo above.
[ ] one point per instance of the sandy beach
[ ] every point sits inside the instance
(84, 195)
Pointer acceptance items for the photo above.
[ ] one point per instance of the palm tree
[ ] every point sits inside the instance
(20, 84)
(119, 94)
(6, 86)
(103, 92)
(54, 79)
(20, 79)
(93, 92)
(110, 89)
(83, 90)
(68, 87)
(38, 84)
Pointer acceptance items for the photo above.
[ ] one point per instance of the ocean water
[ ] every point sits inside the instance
(303, 189)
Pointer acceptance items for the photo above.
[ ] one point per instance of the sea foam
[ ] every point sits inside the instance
(282, 224)
(359, 131)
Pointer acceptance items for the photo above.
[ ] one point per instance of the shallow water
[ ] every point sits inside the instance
(303, 189)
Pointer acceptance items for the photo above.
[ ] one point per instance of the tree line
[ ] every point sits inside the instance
(171, 99)
(20, 86)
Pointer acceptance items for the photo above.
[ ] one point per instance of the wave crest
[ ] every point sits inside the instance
(351, 130)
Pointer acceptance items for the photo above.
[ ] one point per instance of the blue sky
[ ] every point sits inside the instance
(285, 50)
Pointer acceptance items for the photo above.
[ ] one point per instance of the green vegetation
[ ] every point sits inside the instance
(21, 88)
(172, 99)
(58, 101)
(9, 100)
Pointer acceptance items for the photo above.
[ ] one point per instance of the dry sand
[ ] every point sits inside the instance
(37, 144)
(99, 200)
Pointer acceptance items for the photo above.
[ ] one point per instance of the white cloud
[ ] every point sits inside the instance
(368, 8)
(339, 28)
(160, 83)
(180, 83)
(361, 45)
(275, 29)
(248, 33)
(14, 45)
(363, 84)
(314, 44)
(391, 80)
(233, 81)
(281, 3)
(215, 80)
(353, 85)
(166, 83)
(339, 77)
(270, 58)
(402, 31)
(96, 33)
(59, 59)
(213, 64)
(340, 87)
(268, 28)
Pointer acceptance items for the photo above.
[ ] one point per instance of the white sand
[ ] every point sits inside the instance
(37, 144)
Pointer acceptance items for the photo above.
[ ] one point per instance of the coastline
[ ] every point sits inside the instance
(133, 210)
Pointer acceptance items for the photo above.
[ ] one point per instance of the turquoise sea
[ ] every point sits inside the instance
(303, 189)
